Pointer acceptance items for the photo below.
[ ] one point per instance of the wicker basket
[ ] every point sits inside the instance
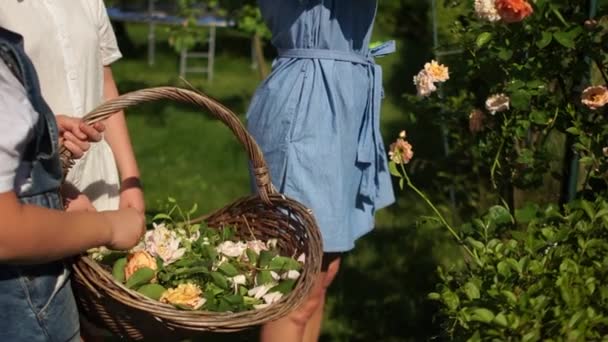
(268, 214)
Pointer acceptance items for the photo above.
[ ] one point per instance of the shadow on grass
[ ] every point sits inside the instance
(381, 291)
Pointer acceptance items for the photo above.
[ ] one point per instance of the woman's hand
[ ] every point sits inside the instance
(76, 136)
(131, 195)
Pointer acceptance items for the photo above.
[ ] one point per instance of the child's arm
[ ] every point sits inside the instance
(31, 234)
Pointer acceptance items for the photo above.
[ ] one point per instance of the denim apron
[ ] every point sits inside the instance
(36, 301)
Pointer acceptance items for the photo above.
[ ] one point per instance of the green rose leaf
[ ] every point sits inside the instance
(545, 40)
(482, 315)
(505, 54)
(228, 269)
(220, 280)
(471, 290)
(482, 39)
(161, 216)
(539, 117)
(527, 213)
(564, 39)
(520, 99)
(499, 215)
(284, 286)
(434, 296)
(264, 277)
(265, 257)
(510, 296)
(501, 320)
(450, 299)
(281, 263)
(251, 256)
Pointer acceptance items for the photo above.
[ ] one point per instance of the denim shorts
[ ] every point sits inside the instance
(37, 304)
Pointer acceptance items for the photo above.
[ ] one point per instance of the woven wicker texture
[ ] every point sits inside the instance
(267, 214)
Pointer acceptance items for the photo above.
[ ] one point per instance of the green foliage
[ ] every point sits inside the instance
(245, 12)
(543, 276)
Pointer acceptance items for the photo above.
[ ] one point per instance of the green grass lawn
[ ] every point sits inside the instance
(184, 153)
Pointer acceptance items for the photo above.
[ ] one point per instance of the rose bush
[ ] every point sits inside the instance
(533, 272)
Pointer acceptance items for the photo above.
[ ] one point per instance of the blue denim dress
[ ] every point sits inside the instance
(317, 116)
(36, 301)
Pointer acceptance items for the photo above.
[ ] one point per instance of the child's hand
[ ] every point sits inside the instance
(74, 200)
(76, 136)
(126, 226)
(80, 203)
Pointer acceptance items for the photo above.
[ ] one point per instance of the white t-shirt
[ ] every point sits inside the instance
(69, 43)
(17, 121)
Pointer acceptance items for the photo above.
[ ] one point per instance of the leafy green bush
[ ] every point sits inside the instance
(547, 282)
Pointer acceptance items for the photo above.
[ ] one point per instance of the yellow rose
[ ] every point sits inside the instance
(138, 260)
(437, 72)
(188, 295)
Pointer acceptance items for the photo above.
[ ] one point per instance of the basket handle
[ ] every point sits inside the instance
(107, 109)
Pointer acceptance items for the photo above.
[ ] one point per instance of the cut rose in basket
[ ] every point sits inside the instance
(195, 267)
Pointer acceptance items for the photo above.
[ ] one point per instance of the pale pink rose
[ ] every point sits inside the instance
(424, 84)
(401, 152)
(605, 151)
(476, 119)
(595, 97)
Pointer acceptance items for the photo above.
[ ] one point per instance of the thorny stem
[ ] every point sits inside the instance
(437, 212)
(496, 163)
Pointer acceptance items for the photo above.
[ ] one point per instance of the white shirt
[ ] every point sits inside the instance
(17, 121)
(69, 43)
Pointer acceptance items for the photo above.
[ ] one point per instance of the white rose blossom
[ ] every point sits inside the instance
(291, 275)
(272, 243)
(486, 9)
(237, 280)
(163, 243)
(232, 249)
(259, 291)
(269, 299)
